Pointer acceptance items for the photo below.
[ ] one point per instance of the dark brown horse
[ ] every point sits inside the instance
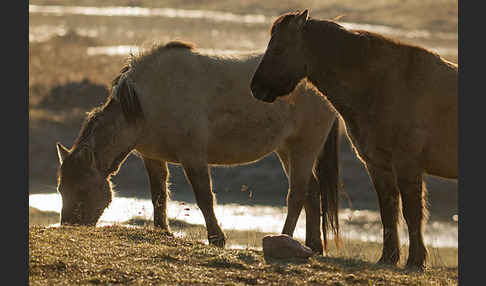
(399, 103)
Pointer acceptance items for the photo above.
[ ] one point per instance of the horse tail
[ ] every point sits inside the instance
(124, 92)
(327, 173)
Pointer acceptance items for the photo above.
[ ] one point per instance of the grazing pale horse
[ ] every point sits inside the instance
(399, 103)
(174, 104)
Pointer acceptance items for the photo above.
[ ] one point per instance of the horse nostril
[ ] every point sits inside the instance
(253, 87)
(257, 91)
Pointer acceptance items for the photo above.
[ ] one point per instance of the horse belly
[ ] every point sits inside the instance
(236, 150)
(441, 154)
(242, 140)
(441, 159)
(157, 151)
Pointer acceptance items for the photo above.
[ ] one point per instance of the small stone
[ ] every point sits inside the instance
(283, 246)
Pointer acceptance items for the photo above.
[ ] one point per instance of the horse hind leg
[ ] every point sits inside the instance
(199, 177)
(388, 197)
(157, 173)
(312, 210)
(301, 164)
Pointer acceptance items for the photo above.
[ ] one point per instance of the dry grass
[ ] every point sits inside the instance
(349, 249)
(147, 256)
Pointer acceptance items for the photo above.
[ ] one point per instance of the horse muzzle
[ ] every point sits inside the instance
(261, 93)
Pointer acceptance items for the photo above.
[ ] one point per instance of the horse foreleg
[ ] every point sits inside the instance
(408, 158)
(312, 207)
(388, 197)
(157, 175)
(413, 193)
(199, 177)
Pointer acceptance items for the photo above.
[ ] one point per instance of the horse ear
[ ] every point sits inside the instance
(302, 17)
(62, 152)
(86, 156)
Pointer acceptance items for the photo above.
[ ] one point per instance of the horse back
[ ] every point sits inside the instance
(190, 99)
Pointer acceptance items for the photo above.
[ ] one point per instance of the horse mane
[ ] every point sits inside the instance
(123, 88)
(89, 124)
(150, 55)
(179, 45)
(332, 24)
(122, 91)
(130, 104)
(379, 38)
(282, 19)
(124, 69)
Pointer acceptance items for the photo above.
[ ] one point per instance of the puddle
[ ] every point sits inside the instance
(363, 225)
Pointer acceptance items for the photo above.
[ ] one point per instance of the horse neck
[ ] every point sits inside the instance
(111, 138)
(336, 69)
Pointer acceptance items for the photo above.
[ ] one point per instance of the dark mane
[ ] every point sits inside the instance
(121, 91)
(282, 19)
(379, 38)
(116, 80)
(89, 125)
(179, 45)
(369, 43)
(148, 56)
(125, 93)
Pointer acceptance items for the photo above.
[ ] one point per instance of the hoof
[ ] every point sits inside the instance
(391, 260)
(168, 232)
(217, 241)
(316, 248)
(415, 266)
(162, 227)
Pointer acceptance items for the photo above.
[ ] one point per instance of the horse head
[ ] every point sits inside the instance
(85, 191)
(283, 65)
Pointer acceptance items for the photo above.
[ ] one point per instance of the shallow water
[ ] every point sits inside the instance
(216, 16)
(126, 49)
(248, 32)
(148, 12)
(43, 33)
(363, 225)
